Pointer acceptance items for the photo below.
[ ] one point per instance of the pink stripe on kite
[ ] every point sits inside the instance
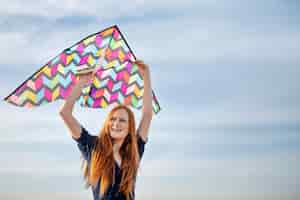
(98, 40)
(110, 84)
(14, 99)
(54, 70)
(83, 60)
(31, 84)
(99, 73)
(73, 78)
(124, 88)
(38, 83)
(114, 54)
(129, 56)
(65, 92)
(114, 97)
(63, 58)
(129, 66)
(48, 94)
(116, 35)
(21, 89)
(62, 92)
(120, 75)
(80, 48)
(96, 103)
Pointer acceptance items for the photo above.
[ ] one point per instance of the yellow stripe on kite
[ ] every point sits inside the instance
(61, 69)
(89, 40)
(70, 58)
(55, 93)
(112, 64)
(103, 103)
(47, 71)
(91, 60)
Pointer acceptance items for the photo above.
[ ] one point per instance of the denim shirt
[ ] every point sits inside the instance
(86, 144)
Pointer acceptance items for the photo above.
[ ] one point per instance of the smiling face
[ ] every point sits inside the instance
(118, 124)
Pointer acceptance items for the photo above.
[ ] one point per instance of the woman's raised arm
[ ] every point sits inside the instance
(143, 129)
(67, 108)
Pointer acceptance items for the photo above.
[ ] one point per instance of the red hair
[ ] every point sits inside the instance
(102, 161)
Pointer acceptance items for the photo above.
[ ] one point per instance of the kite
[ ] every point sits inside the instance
(117, 79)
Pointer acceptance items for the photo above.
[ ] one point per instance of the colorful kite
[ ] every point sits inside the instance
(117, 79)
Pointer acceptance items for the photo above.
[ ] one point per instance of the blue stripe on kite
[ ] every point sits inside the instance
(117, 86)
(40, 95)
(105, 42)
(91, 49)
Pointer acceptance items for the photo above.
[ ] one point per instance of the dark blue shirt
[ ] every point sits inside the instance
(85, 144)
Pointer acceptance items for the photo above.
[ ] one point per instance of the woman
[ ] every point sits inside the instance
(111, 159)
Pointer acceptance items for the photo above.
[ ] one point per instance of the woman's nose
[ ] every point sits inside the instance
(116, 123)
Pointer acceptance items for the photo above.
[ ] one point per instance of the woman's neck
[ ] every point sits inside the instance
(117, 145)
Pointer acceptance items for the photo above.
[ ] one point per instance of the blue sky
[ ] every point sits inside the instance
(227, 77)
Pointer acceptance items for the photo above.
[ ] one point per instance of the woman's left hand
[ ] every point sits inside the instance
(143, 68)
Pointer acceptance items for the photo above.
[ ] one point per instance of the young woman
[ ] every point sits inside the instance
(111, 159)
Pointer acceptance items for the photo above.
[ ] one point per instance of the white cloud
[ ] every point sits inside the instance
(232, 113)
(283, 164)
(55, 9)
(199, 41)
(259, 177)
(38, 164)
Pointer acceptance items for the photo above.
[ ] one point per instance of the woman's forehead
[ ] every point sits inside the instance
(120, 113)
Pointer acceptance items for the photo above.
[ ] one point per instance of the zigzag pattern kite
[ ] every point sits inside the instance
(117, 79)
(121, 84)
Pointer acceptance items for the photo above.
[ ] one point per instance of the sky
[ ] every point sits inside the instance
(226, 74)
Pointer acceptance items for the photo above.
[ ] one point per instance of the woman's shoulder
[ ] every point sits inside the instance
(85, 137)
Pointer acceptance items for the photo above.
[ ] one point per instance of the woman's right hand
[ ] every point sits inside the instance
(85, 79)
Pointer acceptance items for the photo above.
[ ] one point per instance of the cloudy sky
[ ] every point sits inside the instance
(226, 74)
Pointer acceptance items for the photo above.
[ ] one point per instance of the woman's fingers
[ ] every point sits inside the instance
(141, 64)
(86, 77)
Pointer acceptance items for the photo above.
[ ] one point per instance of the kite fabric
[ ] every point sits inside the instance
(117, 79)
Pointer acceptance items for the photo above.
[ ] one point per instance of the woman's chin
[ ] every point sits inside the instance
(116, 136)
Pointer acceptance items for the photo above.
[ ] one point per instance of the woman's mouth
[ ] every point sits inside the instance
(116, 130)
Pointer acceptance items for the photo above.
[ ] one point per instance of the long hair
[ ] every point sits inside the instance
(102, 166)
